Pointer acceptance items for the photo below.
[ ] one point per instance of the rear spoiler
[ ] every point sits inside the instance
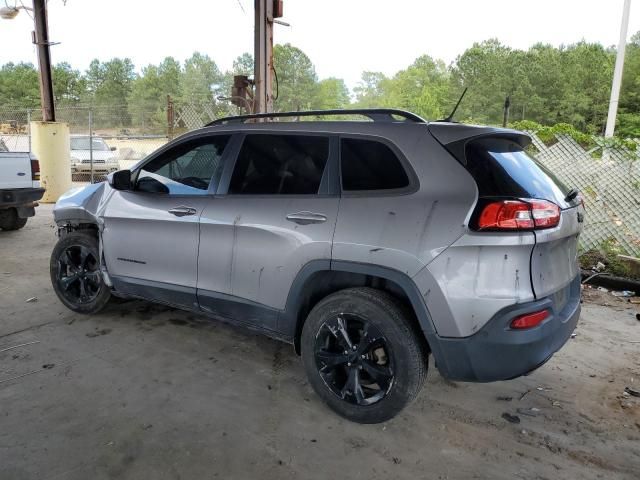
(454, 137)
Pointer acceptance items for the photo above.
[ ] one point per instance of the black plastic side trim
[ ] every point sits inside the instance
(236, 308)
(155, 291)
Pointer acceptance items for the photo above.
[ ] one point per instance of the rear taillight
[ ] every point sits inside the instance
(35, 170)
(518, 215)
(529, 320)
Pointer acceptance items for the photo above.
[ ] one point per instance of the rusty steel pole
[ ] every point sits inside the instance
(263, 53)
(41, 40)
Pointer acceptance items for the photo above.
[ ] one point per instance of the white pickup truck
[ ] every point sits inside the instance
(19, 188)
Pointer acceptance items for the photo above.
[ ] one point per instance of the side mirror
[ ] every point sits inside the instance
(120, 180)
(113, 149)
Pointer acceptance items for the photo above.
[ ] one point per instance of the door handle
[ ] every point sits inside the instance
(306, 218)
(183, 211)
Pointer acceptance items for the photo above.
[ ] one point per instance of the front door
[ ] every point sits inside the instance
(151, 234)
(280, 213)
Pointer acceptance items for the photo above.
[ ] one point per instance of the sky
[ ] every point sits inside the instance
(343, 38)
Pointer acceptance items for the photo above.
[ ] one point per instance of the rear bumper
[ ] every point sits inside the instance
(20, 196)
(497, 352)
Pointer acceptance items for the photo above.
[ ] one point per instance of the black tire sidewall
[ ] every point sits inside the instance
(9, 220)
(407, 355)
(91, 242)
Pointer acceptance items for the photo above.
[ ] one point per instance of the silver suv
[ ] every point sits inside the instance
(368, 245)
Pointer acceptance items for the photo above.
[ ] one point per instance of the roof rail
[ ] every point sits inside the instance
(375, 114)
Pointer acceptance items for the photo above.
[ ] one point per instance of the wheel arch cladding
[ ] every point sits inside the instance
(320, 278)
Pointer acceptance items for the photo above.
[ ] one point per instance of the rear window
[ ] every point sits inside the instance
(370, 165)
(502, 168)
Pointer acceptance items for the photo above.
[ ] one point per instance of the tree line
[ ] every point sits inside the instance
(546, 84)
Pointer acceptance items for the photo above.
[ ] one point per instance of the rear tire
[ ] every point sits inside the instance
(9, 220)
(362, 355)
(75, 273)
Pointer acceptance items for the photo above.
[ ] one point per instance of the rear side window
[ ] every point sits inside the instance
(501, 168)
(280, 165)
(370, 165)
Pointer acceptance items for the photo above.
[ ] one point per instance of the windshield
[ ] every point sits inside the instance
(502, 168)
(82, 143)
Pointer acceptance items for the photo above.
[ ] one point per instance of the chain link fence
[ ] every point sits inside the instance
(103, 139)
(609, 180)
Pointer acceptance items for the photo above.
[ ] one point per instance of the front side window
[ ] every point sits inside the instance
(187, 169)
(280, 165)
(370, 165)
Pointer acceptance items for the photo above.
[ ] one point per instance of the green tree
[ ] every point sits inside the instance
(297, 79)
(19, 86)
(331, 93)
(69, 86)
(109, 85)
(369, 92)
(147, 101)
(201, 79)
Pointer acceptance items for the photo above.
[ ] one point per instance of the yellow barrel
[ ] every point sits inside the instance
(50, 145)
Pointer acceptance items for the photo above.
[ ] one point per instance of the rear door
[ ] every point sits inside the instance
(503, 169)
(280, 213)
(151, 234)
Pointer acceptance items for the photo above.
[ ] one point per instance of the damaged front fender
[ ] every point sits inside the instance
(82, 205)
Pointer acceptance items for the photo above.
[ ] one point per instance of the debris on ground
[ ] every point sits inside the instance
(602, 289)
(31, 300)
(573, 335)
(632, 391)
(97, 333)
(504, 399)
(511, 418)
(623, 293)
(530, 412)
(48, 366)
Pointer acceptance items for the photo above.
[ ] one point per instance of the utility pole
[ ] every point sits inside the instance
(617, 73)
(40, 38)
(263, 57)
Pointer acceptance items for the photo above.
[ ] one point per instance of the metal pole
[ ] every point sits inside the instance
(170, 119)
(617, 73)
(41, 40)
(29, 126)
(91, 141)
(263, 53)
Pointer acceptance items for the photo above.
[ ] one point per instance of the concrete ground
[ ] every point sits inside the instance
(146, 392)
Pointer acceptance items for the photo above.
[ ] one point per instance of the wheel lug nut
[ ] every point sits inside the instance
(363, 357)
(348, 364)
(354, 347)
(359, 367)
(345, 352)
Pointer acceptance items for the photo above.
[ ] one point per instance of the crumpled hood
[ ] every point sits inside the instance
(82, 204)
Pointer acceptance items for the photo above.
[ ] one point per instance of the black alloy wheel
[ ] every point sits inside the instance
(354, 359)
(79, 276)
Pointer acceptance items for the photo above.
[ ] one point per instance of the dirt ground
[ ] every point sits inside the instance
(146, 392)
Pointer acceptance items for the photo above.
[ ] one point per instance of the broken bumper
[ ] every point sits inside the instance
(497, 352)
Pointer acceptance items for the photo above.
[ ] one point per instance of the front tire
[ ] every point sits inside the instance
(75, 273)
(9, 220)
(362, 355)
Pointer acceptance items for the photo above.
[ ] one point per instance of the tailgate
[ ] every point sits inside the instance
(554, 261)
(15, 170)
